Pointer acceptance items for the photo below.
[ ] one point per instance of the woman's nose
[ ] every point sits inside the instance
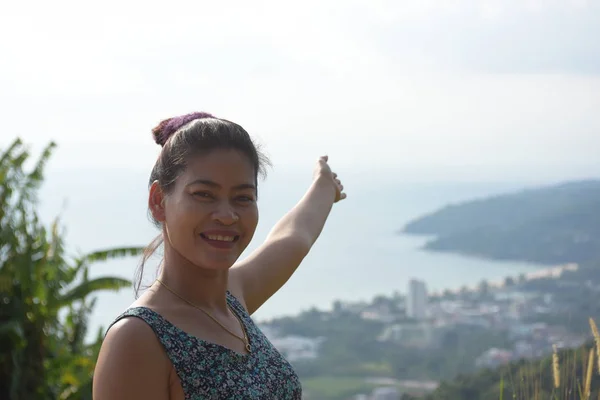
(225, 214)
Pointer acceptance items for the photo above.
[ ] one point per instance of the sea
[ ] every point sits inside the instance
(359, 255)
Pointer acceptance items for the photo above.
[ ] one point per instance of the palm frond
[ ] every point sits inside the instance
(9, 151)
(83, 262)
(12, 328)
(36, 176)
(89, 287)
(104, 255)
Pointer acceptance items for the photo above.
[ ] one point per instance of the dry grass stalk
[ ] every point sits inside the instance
(596, 340)
(588, 375)
(555, 367)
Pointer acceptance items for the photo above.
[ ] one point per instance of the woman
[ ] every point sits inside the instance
(192, 336)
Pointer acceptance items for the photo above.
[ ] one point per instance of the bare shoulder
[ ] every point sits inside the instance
(131, 364)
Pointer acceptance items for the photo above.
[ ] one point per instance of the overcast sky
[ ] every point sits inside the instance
(468, 88)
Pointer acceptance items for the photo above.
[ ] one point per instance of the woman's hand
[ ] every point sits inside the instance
(323, 172)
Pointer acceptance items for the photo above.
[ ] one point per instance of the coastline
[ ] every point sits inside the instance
(553, 272)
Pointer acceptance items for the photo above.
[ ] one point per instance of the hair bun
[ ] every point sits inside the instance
(166, 128)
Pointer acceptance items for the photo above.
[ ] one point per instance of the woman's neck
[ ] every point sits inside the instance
(205, 288)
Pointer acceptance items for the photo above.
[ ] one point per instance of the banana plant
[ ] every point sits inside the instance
(43, 355)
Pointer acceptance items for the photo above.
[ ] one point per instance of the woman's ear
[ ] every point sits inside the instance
(156, 202)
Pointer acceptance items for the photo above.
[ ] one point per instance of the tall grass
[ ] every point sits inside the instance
(570, 375)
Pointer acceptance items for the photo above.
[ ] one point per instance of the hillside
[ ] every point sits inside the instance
(524, 380)
(547, 225)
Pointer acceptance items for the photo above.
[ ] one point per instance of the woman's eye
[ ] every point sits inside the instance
(245, 199)
(202, 195)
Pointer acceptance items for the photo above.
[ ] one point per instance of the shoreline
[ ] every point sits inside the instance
(553, 272)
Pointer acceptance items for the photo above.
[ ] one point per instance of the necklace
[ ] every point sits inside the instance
(244, 339)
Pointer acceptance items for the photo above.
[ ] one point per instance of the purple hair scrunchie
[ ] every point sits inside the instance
(168, 127)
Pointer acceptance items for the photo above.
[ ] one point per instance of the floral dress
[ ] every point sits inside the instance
(211, 371)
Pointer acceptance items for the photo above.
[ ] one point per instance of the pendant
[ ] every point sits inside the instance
(248, 347)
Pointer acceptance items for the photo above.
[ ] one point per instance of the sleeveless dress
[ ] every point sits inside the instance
(211, 371)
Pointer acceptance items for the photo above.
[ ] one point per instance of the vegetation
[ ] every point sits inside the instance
(45, 295)
(550, 225)
(566, 374)
(351, 348)
(575, 297)
(325, 388)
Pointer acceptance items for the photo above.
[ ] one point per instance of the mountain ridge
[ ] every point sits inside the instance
(546, 225)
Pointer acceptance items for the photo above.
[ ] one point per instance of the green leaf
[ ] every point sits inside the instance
(109, 254)
(82, 263)
(35, 177)
(12, 327)
(86, 288)
(8, 153)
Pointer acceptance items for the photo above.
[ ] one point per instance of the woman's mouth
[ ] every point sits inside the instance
(220, 240)
(219, 237)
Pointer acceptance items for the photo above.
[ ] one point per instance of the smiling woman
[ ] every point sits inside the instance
(191, 335)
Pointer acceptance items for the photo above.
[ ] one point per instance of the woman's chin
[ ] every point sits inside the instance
(216, 263)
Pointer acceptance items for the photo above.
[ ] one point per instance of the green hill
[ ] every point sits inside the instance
(525, 380)
(547, 225)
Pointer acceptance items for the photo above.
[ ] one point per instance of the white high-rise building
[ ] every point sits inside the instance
(416, 300)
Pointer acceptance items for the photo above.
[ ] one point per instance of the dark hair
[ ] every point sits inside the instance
(191, 135)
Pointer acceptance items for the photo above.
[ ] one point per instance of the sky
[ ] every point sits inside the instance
(415, 89)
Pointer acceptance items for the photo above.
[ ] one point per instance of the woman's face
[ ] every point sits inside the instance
(211, 214)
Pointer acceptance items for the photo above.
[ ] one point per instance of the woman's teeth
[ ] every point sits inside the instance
(221, 238)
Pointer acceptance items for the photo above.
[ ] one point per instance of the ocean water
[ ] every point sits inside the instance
(359, 255)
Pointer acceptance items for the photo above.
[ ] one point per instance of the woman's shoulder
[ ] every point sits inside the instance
(130, 355)
(131, 335)
(124, 327)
